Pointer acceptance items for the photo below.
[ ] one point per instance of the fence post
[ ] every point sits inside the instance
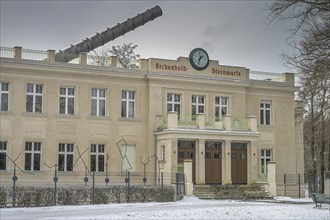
(162, 181)
(55, 183)
(284, 185)
(127, 181)
(93, 187)
(299, 185)
(14, 185)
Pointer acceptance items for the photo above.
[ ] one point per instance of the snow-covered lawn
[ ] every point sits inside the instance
(188, 208)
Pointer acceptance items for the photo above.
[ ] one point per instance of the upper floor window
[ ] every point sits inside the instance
(3, 155)
(32, 155)
(4, 92)
(97, 157)
(221, 107)
(197, 105)
(67, 96)
(98, 102)
(65, 157)
(128, 104)
(265, 157)
(265, 112)
(173, 103)
(34, 98)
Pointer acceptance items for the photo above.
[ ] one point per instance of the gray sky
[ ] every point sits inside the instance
(234, 32)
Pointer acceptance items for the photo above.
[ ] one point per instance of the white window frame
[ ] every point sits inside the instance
(223, 108)
(264, 159)
(171, 103)
(98, 98)
(31, 90)
(67, 150)
(98, 150)
(2, 95)
(127, 101)
(3, 150)
(33, 153)
(199, 102)
(264, 111)
(163, 153)
(67, 97)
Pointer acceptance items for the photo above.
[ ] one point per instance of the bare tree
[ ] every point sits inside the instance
(312, 61)
(127, 58)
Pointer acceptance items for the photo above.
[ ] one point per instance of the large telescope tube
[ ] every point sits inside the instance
(108, 35)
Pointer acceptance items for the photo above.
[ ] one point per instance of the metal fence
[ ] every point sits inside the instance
(56, 179)
(293, 186)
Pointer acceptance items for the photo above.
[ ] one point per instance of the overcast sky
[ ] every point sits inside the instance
(234, 32)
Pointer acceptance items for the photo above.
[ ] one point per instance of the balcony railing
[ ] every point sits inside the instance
(173, 120)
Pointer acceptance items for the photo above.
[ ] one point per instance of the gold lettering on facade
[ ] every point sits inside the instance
(171, 67)
(225, 72)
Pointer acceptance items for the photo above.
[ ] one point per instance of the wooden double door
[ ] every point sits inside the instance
(239, 163)
(213, 162)
(186, 150)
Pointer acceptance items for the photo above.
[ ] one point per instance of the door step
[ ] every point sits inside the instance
(236, 192)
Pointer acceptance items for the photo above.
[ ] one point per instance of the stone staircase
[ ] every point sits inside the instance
(236, 192)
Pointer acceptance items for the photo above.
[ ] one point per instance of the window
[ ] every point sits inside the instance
(4, 90)
(128, 158)
(221, 107)
(65, 157)
(127, 104)
(173, 103)
(98, 102)
(32, 155)
(197, 105)
(67, 100)
(266, 156)
(265, 112)
(3, 155)
(34, 98)
(97, 157)
(163, 153)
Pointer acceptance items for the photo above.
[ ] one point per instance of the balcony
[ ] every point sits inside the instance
(203, 122)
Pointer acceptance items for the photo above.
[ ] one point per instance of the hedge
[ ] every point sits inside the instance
(28, 196)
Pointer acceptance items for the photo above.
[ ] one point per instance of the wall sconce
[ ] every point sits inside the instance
(254, 154)
(228, 153)
(174, 152)
(202, 152)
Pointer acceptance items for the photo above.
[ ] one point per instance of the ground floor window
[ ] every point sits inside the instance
(265, 157)
(32, 156)
(65, 157)
(97, 157)
(3, 155)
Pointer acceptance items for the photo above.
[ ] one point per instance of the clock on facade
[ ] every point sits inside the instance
(199, 59)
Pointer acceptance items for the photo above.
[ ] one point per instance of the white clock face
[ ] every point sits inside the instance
(199, 59)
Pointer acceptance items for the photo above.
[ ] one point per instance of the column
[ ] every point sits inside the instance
(83, 58)
(17, 53)
(189, 187)
(51, 56)
(226, 163)
(253, 170)
(174, 155)
(200, 162)
(271, 176)
(172, 120)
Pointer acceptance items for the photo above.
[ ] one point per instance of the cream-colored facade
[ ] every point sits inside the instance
(164, 108)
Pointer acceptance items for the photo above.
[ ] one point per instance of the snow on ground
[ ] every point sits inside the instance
(188, 208)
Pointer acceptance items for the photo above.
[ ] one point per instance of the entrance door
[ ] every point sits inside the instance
(186, 150)
(213, 171)
(239, 163)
